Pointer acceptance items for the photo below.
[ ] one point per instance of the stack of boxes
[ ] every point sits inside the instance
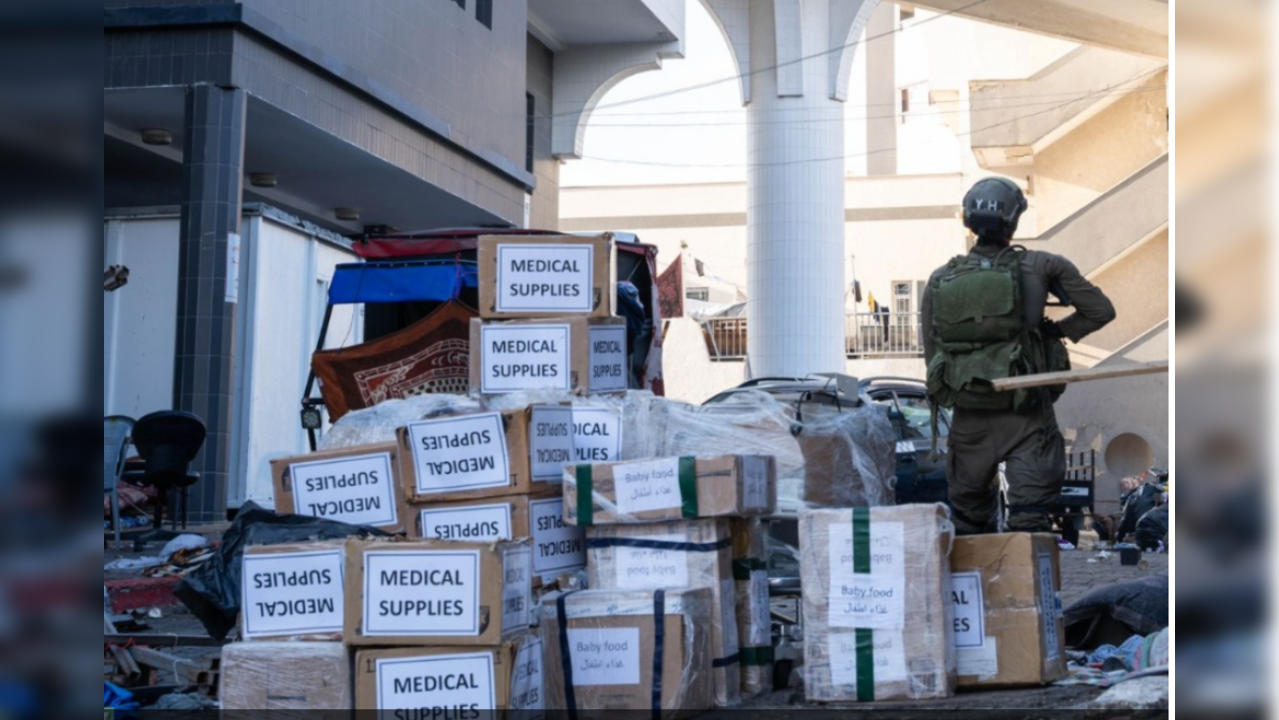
(655, 527)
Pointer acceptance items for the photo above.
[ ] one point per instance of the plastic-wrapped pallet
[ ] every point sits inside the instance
(697, 554)
(628, 650)
(754, 610)
(379, 423)
(876, 607)
(850, 456)
(285, 676)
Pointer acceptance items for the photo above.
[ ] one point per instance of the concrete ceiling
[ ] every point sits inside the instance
(590, 22)
(316, 171)
(1134, 26)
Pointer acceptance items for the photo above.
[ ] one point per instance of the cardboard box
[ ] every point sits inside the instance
(568, 355)
(452, 682)
(1008, 628)
(436, 593)
(558, 548)
(877, 614)
(754, 606)
(547, 276)
(285, 676)
(646, 491)
(293, 591)
(693, 553)
(465, 457)
(614, 640)
(357, 486)
(563, 434)
(850, 458)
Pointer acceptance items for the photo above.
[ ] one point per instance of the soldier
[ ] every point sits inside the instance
(983, 320)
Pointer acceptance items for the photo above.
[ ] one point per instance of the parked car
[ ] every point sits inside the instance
(904, 402)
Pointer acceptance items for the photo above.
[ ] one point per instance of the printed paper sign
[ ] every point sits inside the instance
(527, 685)
(557, 546)
(484, 523)
(597, 435)
(970, 609)
(514, 358)
(461, 453)
(460, 685)
(875, 601)
(728, 611)
(517, 588)
(292, 594)
(421, 593)
(1049, 608)
(645, 486)
(354, 490)
(889, 657)
(761, 609)
(646, 569)
(754, 483)
(981, 662)
(605, 656)
(545, 278)
(608, 358)
(550, 443)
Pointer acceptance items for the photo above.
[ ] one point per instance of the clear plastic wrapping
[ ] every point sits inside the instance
(286, 676)
(379, 423)
(694, 553)
(850, 456)
(612, 640)
(754, 609)
(876, 584)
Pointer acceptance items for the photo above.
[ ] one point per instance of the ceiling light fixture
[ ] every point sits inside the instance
(156, 136)
(347, 214)
(263, 179)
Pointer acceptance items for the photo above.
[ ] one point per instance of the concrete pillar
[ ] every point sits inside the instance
(795, 58)
(882, 97)
(212, 185)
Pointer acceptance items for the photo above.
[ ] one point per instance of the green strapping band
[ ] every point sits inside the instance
(865, 638)
(757, 656)
(742, 569)
(688, 486)
(865, 666)
(585, 495)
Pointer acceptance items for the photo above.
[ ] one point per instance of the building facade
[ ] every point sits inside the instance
(1074, 109)
(247, 143)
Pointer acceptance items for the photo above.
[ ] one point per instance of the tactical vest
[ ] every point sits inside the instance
(979, 333)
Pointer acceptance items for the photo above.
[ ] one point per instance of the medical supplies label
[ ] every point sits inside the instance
(355, 490)
(460, 453)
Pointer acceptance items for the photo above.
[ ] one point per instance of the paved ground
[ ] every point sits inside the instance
(1082, 572)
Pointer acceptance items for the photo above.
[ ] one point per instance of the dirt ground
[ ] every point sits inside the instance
(1082, 572)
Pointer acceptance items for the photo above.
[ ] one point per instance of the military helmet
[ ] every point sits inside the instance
(993, 208)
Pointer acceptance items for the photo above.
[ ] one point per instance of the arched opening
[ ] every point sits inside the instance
(1129, 454)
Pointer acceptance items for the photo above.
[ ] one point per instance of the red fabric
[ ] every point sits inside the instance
(670, 290)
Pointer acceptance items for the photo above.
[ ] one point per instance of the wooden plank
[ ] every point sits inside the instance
(162, 641)
(1084, 375)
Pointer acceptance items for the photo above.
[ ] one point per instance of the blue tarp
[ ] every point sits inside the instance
(392, 282)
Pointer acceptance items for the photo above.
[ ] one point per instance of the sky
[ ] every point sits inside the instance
(666, 130)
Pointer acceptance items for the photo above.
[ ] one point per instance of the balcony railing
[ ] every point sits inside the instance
(865, 335)
(882, 335)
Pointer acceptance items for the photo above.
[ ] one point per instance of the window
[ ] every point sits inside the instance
(484, 13)
(902, 303)
(907, 13)
(530, 122)
(699, 294)
(905, 100)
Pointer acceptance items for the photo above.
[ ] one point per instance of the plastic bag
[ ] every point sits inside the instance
(850, 456)
(379, 423)
(212, 591)
(1152, 528)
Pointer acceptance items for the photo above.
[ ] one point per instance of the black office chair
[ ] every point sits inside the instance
(168, 442)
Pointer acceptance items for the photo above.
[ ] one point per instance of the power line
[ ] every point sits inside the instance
(1139, 76)
(756, 71)
(847, 119)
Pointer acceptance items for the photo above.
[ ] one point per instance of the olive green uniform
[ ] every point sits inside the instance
(1028, 441)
